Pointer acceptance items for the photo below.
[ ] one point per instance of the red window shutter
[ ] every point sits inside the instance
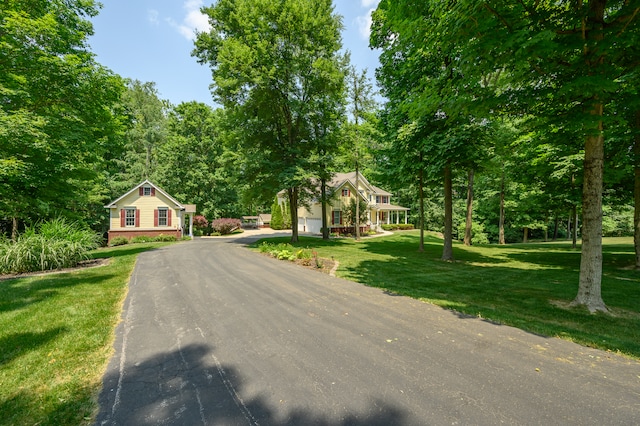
(155, 217)
(153, 191)
(122, 213)
(141, 191)
(137, 218)
(169, 217)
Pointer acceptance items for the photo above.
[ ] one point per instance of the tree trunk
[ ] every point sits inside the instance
(293, 207)
(574, 231)
(14, 229)
(323, 197)
(501, 224)
(589, 288)
(525, 235)
(421, 247)
(357, 220)
(469, 220)
(569, 225)
(636, 190)
(555, 228)
(447, 250)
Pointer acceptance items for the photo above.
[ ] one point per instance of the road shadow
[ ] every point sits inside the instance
(189, 386)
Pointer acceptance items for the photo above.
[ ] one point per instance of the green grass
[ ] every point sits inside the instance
(528, 286)
(56, 335)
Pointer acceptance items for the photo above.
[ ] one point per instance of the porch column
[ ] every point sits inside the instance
(191, 225)
(406, 214)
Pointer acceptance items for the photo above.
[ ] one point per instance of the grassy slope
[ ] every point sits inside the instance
(527, 286)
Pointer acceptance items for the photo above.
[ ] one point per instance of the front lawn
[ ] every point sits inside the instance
(56, 335)
(524, 285)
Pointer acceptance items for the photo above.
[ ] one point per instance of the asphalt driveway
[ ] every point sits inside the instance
(214, 334)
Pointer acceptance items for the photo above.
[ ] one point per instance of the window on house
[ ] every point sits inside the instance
(162, 216)
(385, 199)
(336, 217)
(146, 191)
(130, 216)
(346, 192)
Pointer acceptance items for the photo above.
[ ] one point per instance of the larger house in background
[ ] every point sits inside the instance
(380, 211)
(148, 210)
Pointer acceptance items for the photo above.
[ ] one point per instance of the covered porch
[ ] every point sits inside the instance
(387, 214)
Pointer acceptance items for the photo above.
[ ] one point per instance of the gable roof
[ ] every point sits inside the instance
(342, 178)
(113, 204)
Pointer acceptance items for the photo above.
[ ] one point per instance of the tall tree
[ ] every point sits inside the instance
(57, 109)
(193, 162)
(274, 64)
(361, 106)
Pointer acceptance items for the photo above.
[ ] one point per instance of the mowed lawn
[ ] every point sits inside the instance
(56, 335)
(528, 286)
(56, 331)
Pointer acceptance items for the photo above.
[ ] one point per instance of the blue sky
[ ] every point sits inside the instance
(152, 40)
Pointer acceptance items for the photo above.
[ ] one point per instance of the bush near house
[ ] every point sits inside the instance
(398, 227)
(225, 226)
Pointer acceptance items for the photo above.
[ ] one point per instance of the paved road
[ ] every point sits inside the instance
(215, 334)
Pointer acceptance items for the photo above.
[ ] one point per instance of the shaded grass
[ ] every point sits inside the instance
(528, 286)
(56, 334)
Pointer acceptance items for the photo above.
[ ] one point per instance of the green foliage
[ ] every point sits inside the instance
(119, 241)
(478, 235)
(139, 239)
(277, 221)
(165, 238)
(59, 114)
(617, 222)
(398, 227)
(276, 66)
(49, 245)
(350, 212)
(283, 251)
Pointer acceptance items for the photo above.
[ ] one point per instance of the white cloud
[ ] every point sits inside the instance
(370, 3)
(364, 23)
(152, 16)
(194, 21)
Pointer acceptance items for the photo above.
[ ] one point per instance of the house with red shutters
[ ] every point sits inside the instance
(148, 210)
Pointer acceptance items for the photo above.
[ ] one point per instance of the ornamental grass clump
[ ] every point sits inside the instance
(49, 245)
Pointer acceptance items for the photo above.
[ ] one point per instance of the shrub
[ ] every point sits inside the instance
(142, 239)
(163, 237)
(200, 222)
(49, 245)
(478, 234)
(118, 241)
(398, 226)
(225, 226)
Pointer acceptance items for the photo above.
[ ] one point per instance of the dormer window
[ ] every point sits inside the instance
(146, 191)
(346, 192)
